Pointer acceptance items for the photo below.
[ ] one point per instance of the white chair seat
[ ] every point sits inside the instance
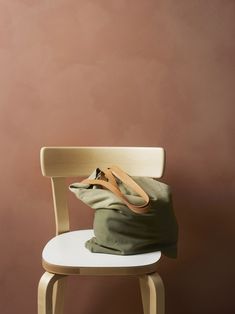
(67, 254)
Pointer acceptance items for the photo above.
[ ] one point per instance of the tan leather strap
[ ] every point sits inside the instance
(113, 187)
(110, 176)
(126, 179)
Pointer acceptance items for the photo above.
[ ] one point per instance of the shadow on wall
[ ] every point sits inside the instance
(204, 267)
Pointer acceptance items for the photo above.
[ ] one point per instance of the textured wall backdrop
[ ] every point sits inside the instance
(123, 73)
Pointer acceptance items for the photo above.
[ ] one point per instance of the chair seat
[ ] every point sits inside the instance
(66, 254)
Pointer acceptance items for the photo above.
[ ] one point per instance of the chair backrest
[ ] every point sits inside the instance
(81, 161)
(59, 163)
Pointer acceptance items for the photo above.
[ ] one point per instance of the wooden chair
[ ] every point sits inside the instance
(65, 254)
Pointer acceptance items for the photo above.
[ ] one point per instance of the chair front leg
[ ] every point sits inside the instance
(45, 293)
(152, 292)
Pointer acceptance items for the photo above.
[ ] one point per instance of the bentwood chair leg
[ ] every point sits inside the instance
(58, 295)
(152, 292)
(45, 292)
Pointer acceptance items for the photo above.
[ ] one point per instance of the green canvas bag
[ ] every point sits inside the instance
(133, 215)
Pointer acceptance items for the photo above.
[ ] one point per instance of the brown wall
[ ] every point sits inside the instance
(123, 73)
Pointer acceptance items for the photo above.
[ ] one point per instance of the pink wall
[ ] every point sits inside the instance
(123, 73)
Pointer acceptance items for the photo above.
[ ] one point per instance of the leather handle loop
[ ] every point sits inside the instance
(113, 187)
(126, 179)
(109, 175)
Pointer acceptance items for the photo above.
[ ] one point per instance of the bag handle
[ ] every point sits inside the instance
(126, 179)
(109, 175)
(113, 187)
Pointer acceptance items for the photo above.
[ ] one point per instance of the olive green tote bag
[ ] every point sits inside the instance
(133, 215)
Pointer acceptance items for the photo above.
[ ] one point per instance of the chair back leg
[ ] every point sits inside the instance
(58, 295)
(152, 292)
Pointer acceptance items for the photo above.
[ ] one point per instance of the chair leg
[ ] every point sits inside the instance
(58, 295)
(45, 293)
(152, 292)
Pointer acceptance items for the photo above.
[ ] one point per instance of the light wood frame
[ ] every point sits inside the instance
(59, 163)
